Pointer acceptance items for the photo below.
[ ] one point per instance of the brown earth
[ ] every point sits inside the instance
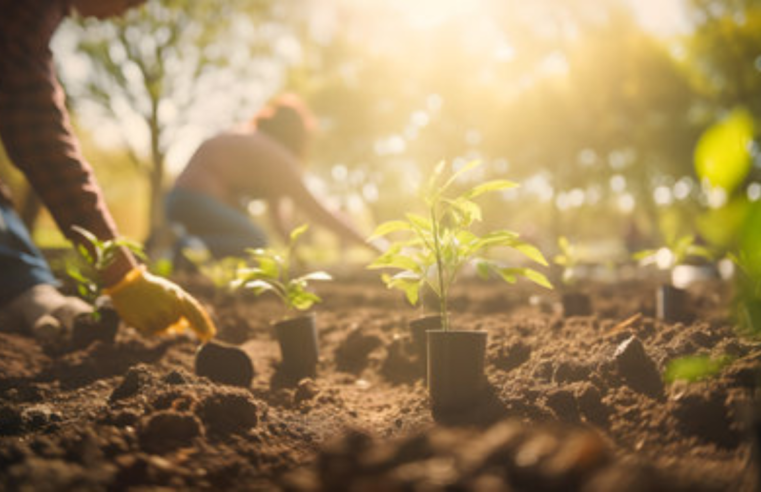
(573, 403)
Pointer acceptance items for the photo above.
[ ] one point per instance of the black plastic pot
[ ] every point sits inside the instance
(671, 303)
(456, 377)
(576, 304)
(298, 346)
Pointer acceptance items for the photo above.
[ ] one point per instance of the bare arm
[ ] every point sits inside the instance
(283, 175)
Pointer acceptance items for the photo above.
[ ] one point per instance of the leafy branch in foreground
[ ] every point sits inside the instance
(97, 256)
(440, 244)
(273, 274)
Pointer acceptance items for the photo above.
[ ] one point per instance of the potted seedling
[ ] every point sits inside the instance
(436, 248)
(103, 323)
(671, 301)
(296, 334)
(574, 302)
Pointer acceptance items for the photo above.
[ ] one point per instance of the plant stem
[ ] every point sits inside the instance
(440, 268)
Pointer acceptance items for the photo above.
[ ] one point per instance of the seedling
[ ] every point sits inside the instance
(97, 256)
(677, 251)
(273, 274)
(574, 303)
(440, 244)
(297, 336)
(567, 259)
(670, 300)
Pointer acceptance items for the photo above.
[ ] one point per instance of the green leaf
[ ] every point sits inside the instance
(298, 232)
(695, 368)
(258, 286)
(400, 261)
(389, 227)
(489, 186)
(419, 222)
(723, 153)
(645, 254)
(531, 252)
(465, 211)
(510, 275)
(408, 283)
(464, 169)
(302, 299)
(321, 276)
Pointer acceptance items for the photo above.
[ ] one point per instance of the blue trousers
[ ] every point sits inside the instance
(22, 265)
(223, 229)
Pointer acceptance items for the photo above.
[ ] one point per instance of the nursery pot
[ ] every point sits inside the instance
(576, 304)
(670, 303)
(455, 368)
(298, 346)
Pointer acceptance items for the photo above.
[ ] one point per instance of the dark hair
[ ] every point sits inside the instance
(289, 121)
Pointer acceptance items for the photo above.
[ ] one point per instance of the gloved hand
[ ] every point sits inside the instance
(46, 313)
(154, 305)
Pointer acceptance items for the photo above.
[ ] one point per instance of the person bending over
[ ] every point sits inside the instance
(262, 159)
(37, 136)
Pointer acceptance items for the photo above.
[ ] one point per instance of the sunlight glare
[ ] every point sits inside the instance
(425, 14)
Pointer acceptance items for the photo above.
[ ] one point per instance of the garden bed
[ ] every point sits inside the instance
(573, 403)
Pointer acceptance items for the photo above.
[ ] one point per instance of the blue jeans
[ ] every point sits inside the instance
(22, 265)
(223, 229)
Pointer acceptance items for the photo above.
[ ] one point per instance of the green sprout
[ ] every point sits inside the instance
(568, 259)
(695, 368)
(440, 244)
(97, 256)
(273, 274)
(676, 252)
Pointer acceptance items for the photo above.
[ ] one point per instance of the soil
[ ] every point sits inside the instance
(574, 403)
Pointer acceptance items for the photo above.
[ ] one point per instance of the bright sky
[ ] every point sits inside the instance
(662, 17)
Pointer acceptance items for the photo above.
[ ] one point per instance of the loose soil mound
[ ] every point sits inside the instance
(573, 403)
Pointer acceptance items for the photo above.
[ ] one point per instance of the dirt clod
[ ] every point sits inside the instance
(166, 430)
(224, 364)
(637, 368)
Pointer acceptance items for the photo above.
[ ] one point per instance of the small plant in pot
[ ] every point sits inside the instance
(297, 333)
(95, 255)
(671, 302)
(437, 247)
(574, 301)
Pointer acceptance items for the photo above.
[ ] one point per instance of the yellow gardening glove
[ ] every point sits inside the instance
(154, 305)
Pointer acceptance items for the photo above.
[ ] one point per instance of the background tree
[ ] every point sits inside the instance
(154, 71)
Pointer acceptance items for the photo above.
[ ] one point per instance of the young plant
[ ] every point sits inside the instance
(567, 259)
(273, 274)
(441, 243)
(97, 255)
(676, 252)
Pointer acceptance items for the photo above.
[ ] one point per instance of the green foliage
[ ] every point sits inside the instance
(568, 259)
(440, 244)
(676, 251)
(97, 256)
(694, 368)
(222, 273)
(723, 153)
(273, 274)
